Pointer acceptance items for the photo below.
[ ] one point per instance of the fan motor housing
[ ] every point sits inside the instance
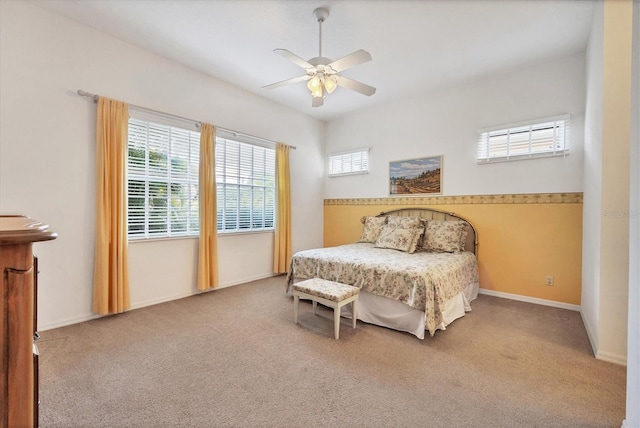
(320, 60)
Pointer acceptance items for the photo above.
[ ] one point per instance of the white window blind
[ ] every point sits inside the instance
(162, 180)
(245, 185)
(347, 163)
(527, 140)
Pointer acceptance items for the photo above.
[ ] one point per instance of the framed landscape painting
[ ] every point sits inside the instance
(416, 176)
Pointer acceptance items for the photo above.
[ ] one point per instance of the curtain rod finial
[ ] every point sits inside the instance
(83, 93)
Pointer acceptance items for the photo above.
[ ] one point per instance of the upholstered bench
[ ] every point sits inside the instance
(332, 294)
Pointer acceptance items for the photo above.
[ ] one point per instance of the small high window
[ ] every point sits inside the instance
(526, 140)
(349, 163)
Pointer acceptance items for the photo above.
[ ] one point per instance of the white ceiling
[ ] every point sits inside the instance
(417, 46)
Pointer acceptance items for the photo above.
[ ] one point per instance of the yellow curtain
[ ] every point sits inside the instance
(282, 239)
(208, 243)
(110, 274)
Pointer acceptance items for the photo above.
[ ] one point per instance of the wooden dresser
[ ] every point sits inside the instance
(18, 320)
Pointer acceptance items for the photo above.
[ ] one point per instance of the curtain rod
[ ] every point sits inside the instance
(242, 134)
(95, 98)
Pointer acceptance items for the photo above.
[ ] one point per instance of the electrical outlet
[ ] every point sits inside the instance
(548, 280)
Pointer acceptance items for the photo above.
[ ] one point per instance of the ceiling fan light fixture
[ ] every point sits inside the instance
(330, 84)
(317, 93)
(314, 83)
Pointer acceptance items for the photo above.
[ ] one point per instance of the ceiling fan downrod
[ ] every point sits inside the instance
(321, 13)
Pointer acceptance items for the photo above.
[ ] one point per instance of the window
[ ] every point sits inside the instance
(162, 180)
(245, 185)
(540, 138)
(348, 163)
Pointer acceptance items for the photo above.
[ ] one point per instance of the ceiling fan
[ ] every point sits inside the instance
(322, 73)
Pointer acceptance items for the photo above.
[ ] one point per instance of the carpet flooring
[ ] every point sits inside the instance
(234, 358)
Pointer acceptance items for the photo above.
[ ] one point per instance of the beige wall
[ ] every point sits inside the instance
(522, 238)
(633, 322)
(606, 177)
(616, 137)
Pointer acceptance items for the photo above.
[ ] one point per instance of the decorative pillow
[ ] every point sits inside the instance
(409, 223)
(445, 236)
(372, 228)
(405, 222)
(463, 238)
(416, 243)
(400, 239)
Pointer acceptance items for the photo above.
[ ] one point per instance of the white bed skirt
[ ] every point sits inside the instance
(393, 314)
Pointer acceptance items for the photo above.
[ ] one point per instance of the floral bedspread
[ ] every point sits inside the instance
(421, 280)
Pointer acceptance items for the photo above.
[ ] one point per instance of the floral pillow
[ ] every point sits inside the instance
(418, 234)
(405, 222)
(445, 236)
(400, 239)
(463, 237)
(372, 228)
(409, 223)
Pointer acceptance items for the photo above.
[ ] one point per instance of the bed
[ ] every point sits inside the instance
(416, 269)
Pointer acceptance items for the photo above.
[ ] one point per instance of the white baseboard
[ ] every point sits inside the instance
(162, 300)
(599, 355)
(590, 333)
(611, 358)
(245, 280)
(528, 299)
(66, 322)
(89, 317)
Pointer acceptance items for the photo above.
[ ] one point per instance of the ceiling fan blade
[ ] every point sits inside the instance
(293, 58)
(354, 85)
(351, 60)
(317, 101)
(285, 82)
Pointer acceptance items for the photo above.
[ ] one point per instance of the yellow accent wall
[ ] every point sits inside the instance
(522, 238)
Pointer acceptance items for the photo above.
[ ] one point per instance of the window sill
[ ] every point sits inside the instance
(174, 238)
(561, 154)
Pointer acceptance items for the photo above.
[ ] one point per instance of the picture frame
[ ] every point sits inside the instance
(416, 177)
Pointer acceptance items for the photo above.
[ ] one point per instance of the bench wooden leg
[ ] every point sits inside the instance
(296, 300)
(336, 321)
(315, 304)
(354, 311)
